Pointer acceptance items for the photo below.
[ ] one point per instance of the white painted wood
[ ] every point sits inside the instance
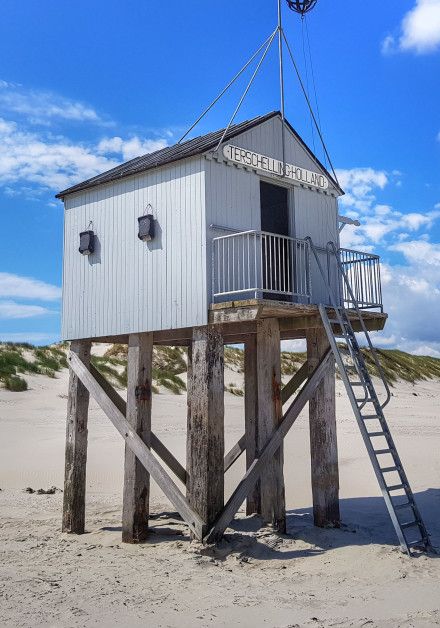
(129, 286)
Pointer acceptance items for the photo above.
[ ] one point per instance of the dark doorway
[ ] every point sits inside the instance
(276, 252)
(274, 209)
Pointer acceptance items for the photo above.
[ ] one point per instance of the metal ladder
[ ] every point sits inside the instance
(381, 449)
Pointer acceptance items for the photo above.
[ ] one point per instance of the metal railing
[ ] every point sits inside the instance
(258, 263)
(362, 285)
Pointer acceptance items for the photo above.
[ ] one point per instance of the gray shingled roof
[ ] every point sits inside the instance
(170, 154)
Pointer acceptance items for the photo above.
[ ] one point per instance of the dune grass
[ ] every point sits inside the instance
(20, 359)
(169, 363)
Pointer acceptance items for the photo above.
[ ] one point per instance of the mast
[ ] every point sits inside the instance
(281, 72)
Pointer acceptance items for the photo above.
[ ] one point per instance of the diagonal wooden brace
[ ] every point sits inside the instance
(138, 447)
(271, 447)
(288, 390)
(156, 444)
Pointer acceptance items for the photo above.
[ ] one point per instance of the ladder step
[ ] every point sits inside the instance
(402, 506)
(368, 417)
(409, 524)
(423, 541)
(357, 384)
(372, 434)
(378, 452)
(389, 469)
(396, 487)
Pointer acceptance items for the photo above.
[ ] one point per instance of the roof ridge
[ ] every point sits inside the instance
(176, 152)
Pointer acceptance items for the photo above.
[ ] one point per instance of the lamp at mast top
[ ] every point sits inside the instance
(301, 6)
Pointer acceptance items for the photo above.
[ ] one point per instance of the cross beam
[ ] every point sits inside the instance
(257, 467)
(138, 447)
(287, 391)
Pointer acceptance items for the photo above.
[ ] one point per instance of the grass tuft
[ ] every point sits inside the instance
(15, 383)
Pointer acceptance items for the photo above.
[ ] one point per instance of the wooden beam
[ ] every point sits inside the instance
(253, 501)
(286, 392)
(259, 465)
(263, 413)
(74, 495)
(323, 440)
(235, 453)
(293, 384)
(138, 447)
(205, 436)
(156, 444)
(136, 495)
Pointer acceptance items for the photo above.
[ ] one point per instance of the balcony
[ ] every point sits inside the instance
(261, 265)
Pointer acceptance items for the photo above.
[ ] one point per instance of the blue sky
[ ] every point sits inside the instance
(86, 85)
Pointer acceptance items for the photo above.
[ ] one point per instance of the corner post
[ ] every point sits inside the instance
(253, 501)
(323, 437)
(135, 509)
(74, 496)
(205, 436)
(263, 413)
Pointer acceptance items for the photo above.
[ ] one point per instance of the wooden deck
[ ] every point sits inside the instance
(295, 318)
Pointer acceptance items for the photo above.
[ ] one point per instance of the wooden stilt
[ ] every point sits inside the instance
(253, 501)
(270, 413)
(136, 479)
(137, 446)
(263, 412)
(260, 464)
(323, 441)
(76, 446)
(205, 437)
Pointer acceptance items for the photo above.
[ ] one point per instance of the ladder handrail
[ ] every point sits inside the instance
(331, 246)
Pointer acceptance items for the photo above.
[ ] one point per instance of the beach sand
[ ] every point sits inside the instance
(354, 576)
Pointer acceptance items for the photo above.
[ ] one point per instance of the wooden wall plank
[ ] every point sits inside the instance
(323, 438)
(76, 446)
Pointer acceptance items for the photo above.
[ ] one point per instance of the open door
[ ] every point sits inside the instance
(276, 250)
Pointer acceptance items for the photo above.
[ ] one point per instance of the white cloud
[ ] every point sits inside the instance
(42, 107)
(13, 310)
(17, 286)
(422, 253)
(28, 157)
(130, 148)
(419, 30)
(411, 286)
(412, 299)
(378, 221)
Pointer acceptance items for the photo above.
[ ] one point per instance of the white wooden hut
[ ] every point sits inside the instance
(228, 237)
(212, 213)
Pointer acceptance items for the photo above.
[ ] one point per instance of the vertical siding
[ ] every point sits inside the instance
(129, 286)
(233, 197)
(316, 216)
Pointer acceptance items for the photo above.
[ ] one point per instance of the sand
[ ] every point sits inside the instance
(355, 576)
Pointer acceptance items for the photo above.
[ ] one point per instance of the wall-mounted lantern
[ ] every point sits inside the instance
(146, 228)
(86, 242)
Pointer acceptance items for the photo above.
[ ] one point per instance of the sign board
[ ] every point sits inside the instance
(270, 165)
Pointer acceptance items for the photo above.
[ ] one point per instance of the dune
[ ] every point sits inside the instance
(352, 576)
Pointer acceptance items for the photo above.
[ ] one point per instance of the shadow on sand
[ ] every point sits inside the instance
(365, 521)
